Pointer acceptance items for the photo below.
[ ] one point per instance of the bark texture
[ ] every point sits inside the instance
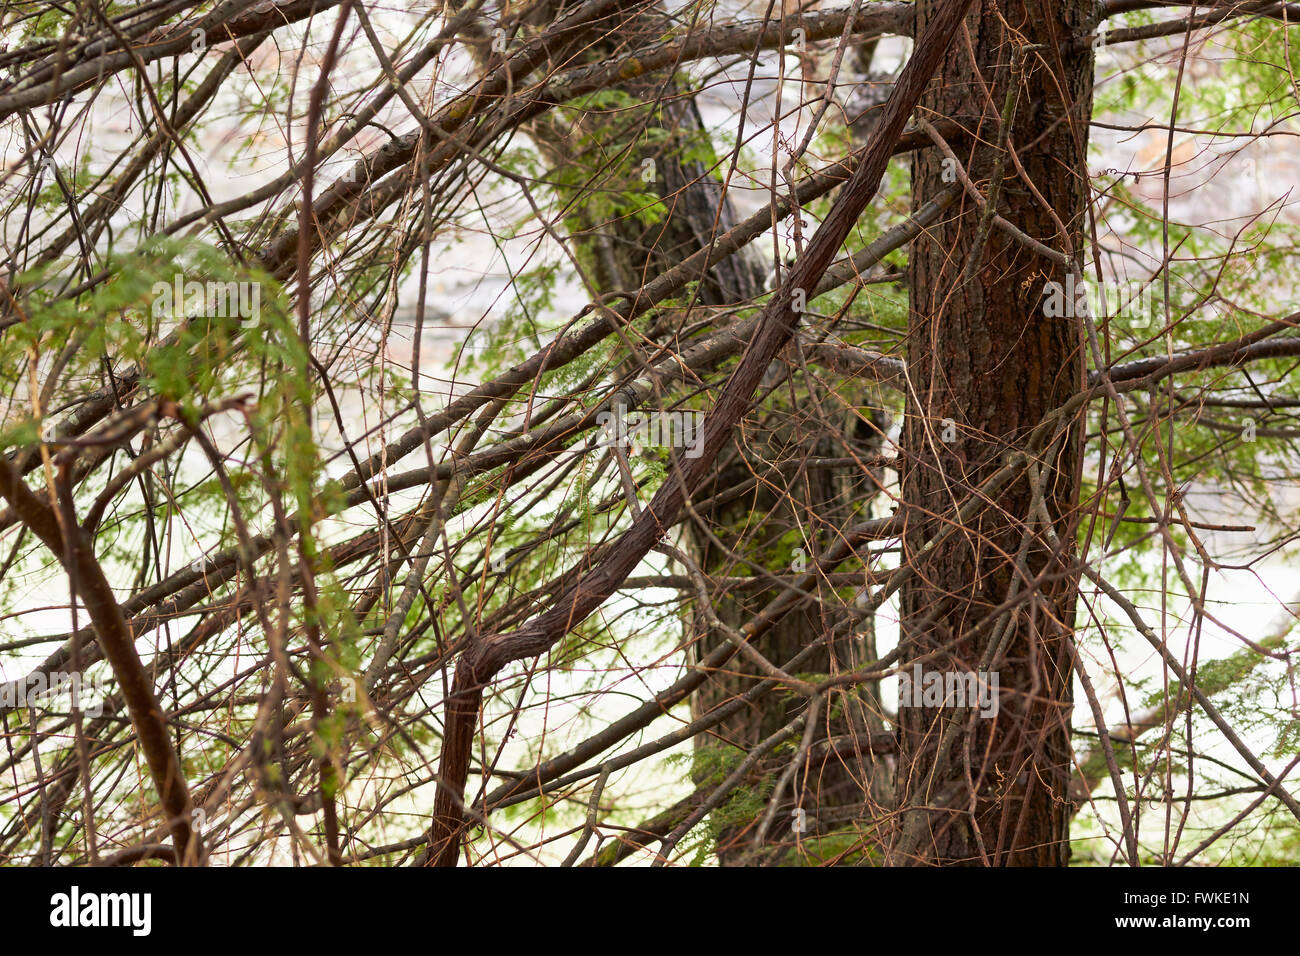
(986, 365)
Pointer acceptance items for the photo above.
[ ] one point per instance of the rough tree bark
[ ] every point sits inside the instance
(985, 366)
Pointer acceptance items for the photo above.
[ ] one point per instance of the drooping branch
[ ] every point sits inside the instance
(65, 73)
(778, 322)
(76, 553)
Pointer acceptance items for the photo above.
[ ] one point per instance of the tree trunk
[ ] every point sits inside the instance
(985, 366)
(619, 253)
(786, 493)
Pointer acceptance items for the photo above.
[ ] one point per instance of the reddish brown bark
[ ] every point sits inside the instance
(986, 365)
(118, 644)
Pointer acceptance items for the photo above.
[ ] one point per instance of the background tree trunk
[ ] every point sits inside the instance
(620, 253)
